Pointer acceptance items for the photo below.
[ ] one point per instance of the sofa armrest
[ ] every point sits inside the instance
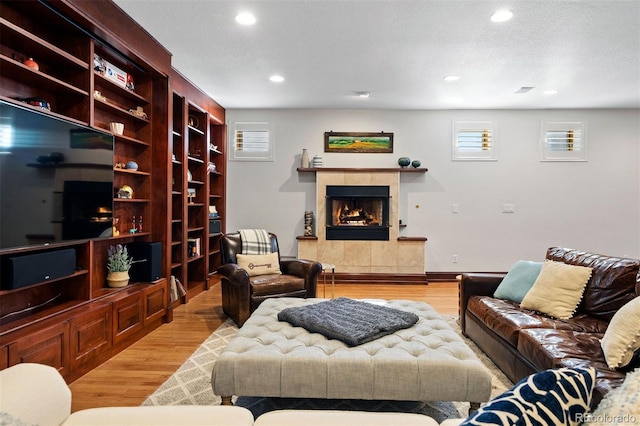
(476, 284)
(34, 394)
(308, 269)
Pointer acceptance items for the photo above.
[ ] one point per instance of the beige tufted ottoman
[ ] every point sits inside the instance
(427, 362)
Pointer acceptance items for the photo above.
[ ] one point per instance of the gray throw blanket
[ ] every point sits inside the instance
(351, 321)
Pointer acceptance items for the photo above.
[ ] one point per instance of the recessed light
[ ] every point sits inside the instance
(364, 94)
(452, 78)
(502, 15)
(245, 18)
(551, 92)
(276, 78)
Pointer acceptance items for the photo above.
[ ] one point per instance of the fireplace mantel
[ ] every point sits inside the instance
(362, 170)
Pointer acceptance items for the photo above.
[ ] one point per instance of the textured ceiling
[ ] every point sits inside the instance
(400, 51)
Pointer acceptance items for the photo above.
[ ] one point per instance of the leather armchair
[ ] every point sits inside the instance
(242, 294)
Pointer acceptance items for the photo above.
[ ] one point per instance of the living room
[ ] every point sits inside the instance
(476, 215)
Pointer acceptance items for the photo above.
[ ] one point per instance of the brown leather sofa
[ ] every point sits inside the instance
(521, 342)
(242, 294)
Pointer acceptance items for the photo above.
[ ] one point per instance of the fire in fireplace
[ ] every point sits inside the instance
(357, 212)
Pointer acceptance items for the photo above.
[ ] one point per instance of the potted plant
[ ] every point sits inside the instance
(118, 264)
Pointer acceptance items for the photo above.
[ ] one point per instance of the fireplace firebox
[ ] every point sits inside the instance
(356, 212)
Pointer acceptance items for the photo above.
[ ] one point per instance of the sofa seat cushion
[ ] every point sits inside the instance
(263, 285)
(507, 318)
(546, 347)
(606, 379)
(566, 348)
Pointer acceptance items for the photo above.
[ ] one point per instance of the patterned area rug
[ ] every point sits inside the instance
(191, 385)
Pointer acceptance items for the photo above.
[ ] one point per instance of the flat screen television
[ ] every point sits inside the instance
(56, 179)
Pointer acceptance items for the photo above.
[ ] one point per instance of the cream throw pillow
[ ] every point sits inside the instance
(558, 289)
(259, 264)
(622, 337)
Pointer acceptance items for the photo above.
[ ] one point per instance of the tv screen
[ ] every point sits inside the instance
(56, 179)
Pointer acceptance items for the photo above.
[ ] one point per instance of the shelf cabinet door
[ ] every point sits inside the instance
(155, 302)
(128, 317)
(49, 346)
(90, 336)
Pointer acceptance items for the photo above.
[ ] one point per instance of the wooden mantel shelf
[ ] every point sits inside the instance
(363, 170)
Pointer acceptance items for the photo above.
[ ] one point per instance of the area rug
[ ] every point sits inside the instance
(191, 385)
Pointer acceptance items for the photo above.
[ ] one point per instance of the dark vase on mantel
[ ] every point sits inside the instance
(404, 161)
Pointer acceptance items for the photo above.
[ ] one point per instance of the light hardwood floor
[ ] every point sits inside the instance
(133, 374)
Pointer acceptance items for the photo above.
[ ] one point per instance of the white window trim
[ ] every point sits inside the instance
(579, 127)
(487, 153)
(239, 155)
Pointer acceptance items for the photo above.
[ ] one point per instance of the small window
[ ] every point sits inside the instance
(563, 141)
(251, 142)
(473, 141)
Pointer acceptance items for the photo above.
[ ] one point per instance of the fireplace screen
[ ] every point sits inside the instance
(357, 212)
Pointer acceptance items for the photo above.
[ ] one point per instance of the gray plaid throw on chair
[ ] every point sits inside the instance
(255, 241)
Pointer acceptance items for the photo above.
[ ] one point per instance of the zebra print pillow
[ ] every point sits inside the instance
(552, 397)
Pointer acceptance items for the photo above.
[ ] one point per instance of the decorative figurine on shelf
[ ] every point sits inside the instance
(32, 64)
(130, 85)
(98, 64)
(191, 195)
(308, 223)
(213, 212)
(114, 229)
(415, 164)
(131, 165)
(212, 167)
(139, 112)
(133, 229)
(99, 96)
(140, 224)
(125, 192)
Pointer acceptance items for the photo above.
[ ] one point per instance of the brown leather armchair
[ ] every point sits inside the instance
(242, 294)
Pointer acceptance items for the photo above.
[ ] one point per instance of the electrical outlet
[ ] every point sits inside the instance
(455, 258)
(455, 208)
(508, 208)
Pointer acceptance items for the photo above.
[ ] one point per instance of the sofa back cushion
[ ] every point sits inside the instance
(614, 281)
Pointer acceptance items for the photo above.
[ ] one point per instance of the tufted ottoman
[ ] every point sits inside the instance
(427, 362)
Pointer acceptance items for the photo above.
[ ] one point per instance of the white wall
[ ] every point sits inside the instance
(593, 205)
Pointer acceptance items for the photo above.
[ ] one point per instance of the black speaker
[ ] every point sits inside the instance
(36, 268)
(147, 261)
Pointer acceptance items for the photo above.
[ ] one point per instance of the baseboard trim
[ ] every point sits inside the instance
(367, 278)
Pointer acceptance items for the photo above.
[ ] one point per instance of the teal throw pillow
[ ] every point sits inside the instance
(552, 397)
(518, 281)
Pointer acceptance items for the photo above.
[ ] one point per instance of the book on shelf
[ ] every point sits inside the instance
(177, 289)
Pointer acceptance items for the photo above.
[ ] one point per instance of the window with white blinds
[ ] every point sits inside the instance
(473, 141)
(563, 141)
(251, 142)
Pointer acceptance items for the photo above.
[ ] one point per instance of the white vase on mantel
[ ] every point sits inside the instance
(304, 163)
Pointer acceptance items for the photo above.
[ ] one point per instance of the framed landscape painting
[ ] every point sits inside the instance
(358, 142)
